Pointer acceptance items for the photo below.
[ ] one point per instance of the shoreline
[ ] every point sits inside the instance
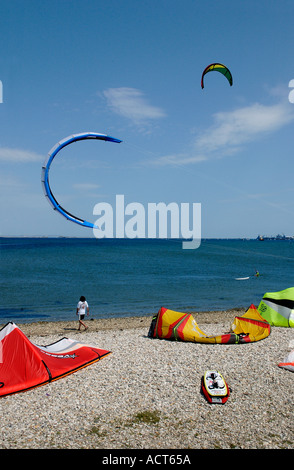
(146, 393)
(65, 327)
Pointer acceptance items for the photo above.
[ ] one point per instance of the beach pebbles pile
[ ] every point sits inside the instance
(146, 395)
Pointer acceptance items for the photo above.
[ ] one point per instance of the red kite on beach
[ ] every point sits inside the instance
(24, 365)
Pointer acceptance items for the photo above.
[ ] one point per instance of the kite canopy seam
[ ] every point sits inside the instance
(46, 166)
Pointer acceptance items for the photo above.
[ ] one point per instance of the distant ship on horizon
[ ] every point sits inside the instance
(276, 237)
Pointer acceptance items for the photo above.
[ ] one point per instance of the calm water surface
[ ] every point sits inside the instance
(43, 278)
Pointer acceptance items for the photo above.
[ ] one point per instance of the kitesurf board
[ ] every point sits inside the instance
(214, 387)
(241, 278)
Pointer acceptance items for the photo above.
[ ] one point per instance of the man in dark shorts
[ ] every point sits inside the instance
(82, 307)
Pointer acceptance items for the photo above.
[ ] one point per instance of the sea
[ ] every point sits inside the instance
(42, 279)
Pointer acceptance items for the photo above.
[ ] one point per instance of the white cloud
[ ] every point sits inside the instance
(234, 128)
(7, 182)
(86, 186)
(131, 103)
(230, 131)
(17, 155)
(177, 159)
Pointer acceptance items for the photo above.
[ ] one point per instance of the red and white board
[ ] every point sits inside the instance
(214, 387)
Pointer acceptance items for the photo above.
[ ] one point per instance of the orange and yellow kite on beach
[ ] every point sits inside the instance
(177, 326)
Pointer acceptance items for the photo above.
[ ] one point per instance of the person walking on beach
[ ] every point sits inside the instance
(82, 307)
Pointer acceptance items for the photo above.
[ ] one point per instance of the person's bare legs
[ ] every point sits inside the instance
(82, 323)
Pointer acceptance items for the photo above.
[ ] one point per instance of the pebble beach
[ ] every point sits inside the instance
(146, 393)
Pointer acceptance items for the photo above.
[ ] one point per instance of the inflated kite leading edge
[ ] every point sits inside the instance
(45, 172)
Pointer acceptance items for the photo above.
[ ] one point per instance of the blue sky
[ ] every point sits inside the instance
(132, 69)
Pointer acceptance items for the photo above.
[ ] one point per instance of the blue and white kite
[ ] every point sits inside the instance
(45, 172)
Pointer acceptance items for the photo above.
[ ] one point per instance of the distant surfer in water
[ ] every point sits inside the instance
(256, 273)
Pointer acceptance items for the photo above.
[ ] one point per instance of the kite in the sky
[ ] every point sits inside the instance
(45, 172)
(219, 68)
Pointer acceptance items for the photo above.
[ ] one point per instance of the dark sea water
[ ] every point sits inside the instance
(43, 278)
